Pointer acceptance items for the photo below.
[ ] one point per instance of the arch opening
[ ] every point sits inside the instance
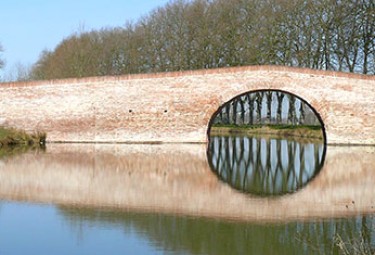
(266, 142)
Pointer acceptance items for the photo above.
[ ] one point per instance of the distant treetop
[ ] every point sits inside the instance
(186, 35)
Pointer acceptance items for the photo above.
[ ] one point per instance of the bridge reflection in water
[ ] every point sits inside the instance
(168, 195)
(265, 166)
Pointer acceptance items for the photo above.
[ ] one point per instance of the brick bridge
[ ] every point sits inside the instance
(177, 107)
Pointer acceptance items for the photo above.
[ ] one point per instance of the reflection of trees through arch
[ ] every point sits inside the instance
(267, 107)
(190, 235)
(264, 166)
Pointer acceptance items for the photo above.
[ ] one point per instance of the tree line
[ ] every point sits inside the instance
(266, 107)
(198, 34)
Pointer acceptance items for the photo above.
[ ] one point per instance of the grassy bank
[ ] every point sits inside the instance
(10, 137)
(302, 131)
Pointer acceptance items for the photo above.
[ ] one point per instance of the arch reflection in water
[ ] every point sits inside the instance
(265, 166)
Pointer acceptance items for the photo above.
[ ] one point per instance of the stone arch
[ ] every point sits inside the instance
(303, 100)
(239, 161)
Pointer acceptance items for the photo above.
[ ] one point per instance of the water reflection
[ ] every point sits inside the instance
(164, 199)
(265, 166)
(177, 179)
(190, 235)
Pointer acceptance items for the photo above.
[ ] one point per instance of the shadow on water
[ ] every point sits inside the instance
(265, 166)
(188, 235)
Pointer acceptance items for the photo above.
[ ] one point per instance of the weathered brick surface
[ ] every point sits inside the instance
(177, 107)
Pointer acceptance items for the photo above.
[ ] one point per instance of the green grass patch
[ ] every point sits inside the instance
(301, 131)
(311, 127)
(10, 137)
(270, 126)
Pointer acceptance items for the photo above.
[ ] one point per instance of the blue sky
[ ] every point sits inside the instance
(29, 26)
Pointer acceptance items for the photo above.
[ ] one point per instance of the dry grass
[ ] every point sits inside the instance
(10, 137)
(354, 247)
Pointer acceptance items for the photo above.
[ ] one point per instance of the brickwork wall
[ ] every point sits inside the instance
(177, 107)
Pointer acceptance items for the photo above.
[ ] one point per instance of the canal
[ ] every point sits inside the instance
(239, 195)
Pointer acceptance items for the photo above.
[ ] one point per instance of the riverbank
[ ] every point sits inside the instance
(311, 132)
(10, 137)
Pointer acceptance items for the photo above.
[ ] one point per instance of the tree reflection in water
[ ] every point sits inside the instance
(175, 234)
(265, 166)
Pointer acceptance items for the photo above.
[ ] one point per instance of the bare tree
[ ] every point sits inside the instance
(280, 97)
(259, 100)
(302, 113)
(18, 72)
(250, 101)
(269, 95)
(2, 63)
(292, 110)
(199, 34)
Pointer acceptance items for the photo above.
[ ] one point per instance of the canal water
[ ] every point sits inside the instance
(265, 166)
(241, 195)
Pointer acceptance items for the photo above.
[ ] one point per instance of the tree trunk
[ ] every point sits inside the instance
(292, 110)
(259, 99)
(280, 97)
(251, 109)
(269, 95)
(242, 104)
(302, 113)
(227, 110)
